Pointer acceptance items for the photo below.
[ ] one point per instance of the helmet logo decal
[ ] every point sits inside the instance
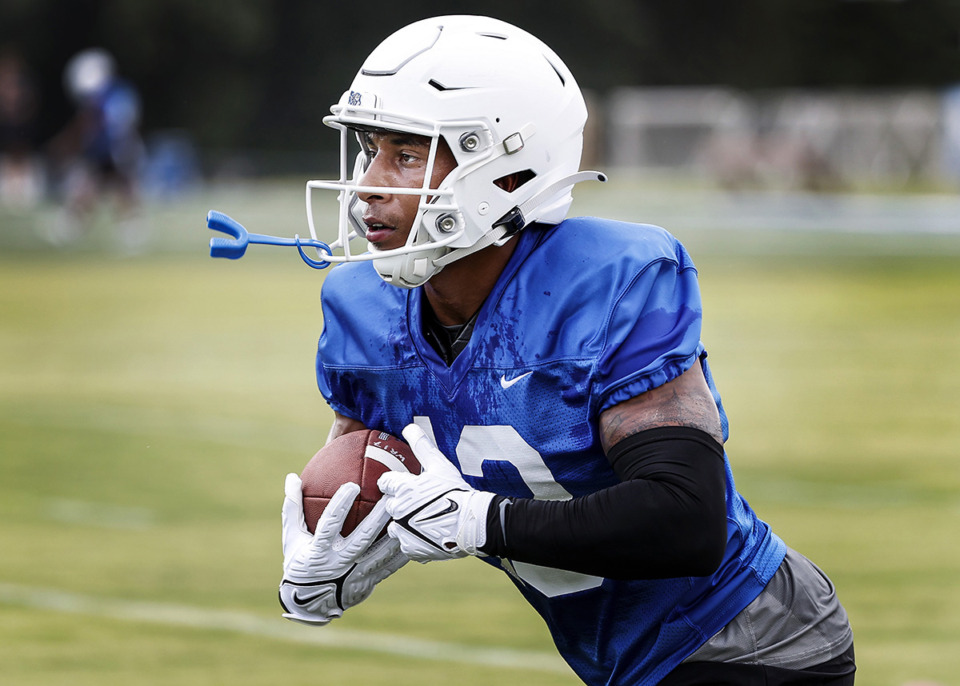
(354, 99)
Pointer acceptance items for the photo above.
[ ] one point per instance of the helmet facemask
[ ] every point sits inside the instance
(437, 227)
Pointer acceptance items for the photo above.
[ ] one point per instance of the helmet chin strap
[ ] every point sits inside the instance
(415, 269)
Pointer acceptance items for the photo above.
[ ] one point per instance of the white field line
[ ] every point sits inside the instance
(101, 515)
(168, 614)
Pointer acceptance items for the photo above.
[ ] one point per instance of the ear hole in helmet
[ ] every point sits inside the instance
(514, 180)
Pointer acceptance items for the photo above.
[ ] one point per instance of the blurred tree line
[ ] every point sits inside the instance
(260, 74)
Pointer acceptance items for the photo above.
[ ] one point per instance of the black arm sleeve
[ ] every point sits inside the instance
(667, 518)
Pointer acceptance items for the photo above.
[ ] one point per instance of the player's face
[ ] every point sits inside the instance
(400, 160)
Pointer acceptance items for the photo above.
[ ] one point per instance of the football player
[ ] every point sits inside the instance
(99, 154)
(548, 373)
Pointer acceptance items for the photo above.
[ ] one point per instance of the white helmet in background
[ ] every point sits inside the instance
(88, 73)
(504, 103)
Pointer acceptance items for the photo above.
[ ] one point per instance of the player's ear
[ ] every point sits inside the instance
(509, 183)
(512, 182)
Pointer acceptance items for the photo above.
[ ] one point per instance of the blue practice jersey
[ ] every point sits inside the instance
(587, 314)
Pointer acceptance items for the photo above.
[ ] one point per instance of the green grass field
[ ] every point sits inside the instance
(151, 405)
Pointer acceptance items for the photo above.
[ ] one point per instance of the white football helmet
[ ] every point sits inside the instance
(503, 102)
(88, 73)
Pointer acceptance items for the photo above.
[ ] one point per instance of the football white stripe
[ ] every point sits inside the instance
(388, 459)
(248, 623)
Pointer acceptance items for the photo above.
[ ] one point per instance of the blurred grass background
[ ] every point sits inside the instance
(151, 404)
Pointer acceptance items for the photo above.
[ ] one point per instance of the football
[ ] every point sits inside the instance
(360, 457)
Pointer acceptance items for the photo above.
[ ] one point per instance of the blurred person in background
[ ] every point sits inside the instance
(549, 374)
(21, 171)
(100, 153)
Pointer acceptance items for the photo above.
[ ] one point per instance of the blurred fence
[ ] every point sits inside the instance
(795, 139)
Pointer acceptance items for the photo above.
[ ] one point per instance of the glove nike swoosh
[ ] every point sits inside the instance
(303, 600)
(452, 506)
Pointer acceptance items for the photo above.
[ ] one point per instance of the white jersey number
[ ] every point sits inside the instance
(502, 443)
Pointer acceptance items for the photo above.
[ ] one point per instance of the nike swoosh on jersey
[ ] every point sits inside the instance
(507, 383)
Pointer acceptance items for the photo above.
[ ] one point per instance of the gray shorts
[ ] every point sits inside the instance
(796, 622)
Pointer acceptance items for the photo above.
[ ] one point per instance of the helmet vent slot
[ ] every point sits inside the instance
(563, 81)
(440, 87)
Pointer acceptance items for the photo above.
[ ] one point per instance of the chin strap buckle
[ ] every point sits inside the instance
(512, 222)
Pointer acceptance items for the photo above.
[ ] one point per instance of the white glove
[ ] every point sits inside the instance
(437, 515)
(326, 573)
